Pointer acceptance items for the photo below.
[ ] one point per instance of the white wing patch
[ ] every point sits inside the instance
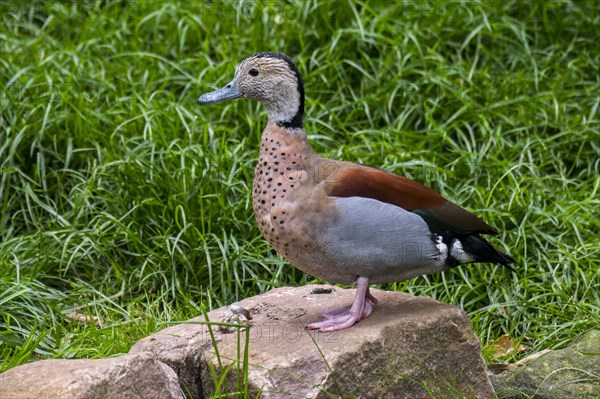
(443, 248)
(458, 253)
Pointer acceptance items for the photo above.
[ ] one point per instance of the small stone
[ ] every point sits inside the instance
(235, 308)
(233, 319)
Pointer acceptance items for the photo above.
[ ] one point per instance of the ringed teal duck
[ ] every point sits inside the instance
(340, 221)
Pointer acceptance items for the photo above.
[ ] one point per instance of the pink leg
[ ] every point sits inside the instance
(337, 312)
(339, 319)
(332, 313)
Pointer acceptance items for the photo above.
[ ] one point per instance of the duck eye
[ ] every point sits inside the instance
(253, 72)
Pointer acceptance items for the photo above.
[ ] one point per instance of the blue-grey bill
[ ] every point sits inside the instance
(228, 92)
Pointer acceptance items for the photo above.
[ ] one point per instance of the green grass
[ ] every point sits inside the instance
(124, 200)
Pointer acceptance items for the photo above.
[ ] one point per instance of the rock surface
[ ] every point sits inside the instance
(407, 344)
(135, 376)
(573, 372)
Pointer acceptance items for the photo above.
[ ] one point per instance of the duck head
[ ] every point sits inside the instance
(271, 78)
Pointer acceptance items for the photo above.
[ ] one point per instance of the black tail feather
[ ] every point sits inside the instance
(477, 249)
(483, 251)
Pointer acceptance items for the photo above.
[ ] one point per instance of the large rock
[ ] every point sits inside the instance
(409, 347)
(573, 372)
(136, 376)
